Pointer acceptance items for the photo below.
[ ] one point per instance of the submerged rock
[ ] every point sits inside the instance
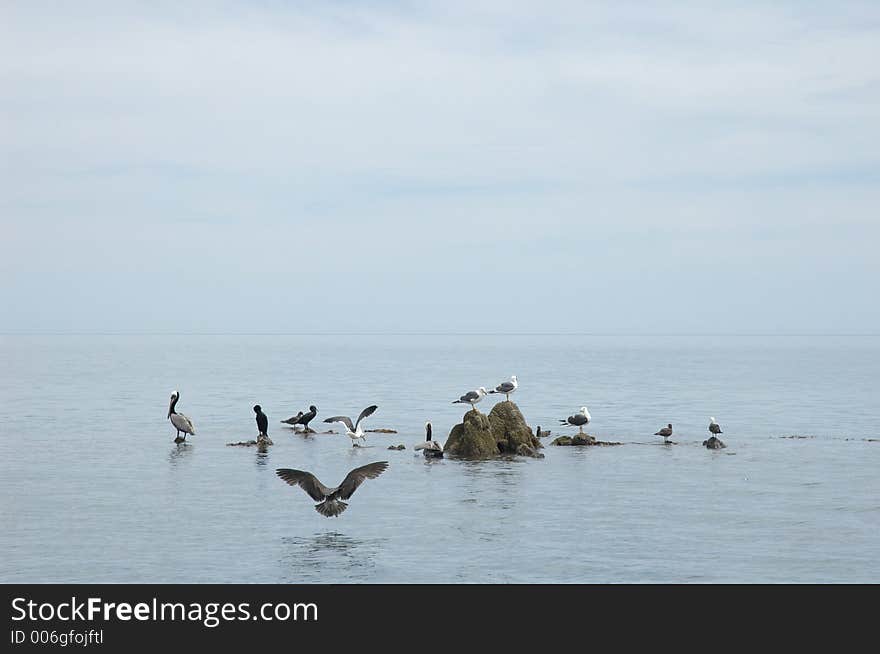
(714, 443)
(581, 439)
(397, 447)
(262, 441)
(380, 431)
(503, 431)
(528, 450)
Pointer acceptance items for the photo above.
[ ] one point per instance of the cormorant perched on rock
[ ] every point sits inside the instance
(308, 417)
(262, 421)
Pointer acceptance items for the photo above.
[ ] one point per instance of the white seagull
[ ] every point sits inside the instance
(472, 397)
(507, 387)
(354, 431)
(180, 421)
(578, 419)
(433, 449)
(714, 427)
(330, 498)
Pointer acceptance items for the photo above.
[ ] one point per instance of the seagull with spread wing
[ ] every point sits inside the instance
(330, 499)
(354, 431)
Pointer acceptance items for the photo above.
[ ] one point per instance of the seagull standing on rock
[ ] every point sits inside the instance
(578, 419)
(354, 431)
(714, 427)
(472, 397)
(507, 387)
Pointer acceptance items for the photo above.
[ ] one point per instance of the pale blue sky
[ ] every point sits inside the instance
(473, 167)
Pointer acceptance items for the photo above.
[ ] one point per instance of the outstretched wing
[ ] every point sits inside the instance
(366, 412)
(357, 477)
(343, 419)
(307, 481)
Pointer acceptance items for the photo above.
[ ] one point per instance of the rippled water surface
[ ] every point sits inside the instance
(94, 489)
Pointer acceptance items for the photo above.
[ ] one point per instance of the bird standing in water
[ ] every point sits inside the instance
(665, 432)
(181, 422)
(432, 449)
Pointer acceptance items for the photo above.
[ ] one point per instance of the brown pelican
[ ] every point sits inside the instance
(354, 431)
(714, 427)
(666, 432)
(578, 419)
(507, 387)
(262, 421)
(472, 397)
(330, 498)
(432, 449)
(180, 421)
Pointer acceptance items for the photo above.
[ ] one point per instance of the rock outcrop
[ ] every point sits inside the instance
(714, 443)
(397, 447)
(503, 431)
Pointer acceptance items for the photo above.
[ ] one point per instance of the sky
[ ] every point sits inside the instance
(492, 167)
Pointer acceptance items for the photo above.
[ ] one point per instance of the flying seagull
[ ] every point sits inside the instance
(666, 432)
(578, 419)
(507, 387)
(432, 449)
(472, 397)
(180, 421)
(330, 499)
(354, 431)
(262, 421)
(714, 427)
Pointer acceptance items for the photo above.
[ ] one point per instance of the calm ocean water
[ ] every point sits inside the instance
(94, 490)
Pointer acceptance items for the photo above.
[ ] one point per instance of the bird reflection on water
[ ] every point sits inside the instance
(179, 453)
(309, 557)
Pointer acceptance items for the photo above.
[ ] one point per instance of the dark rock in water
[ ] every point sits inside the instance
(262, 441)
(503, 431)
(380, 431)
(397, 447)
(509, 428)
(528, 450)
(581, 439)
(472, 438)
(714, 443)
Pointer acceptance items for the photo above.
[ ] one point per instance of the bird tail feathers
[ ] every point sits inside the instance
(331, 508)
